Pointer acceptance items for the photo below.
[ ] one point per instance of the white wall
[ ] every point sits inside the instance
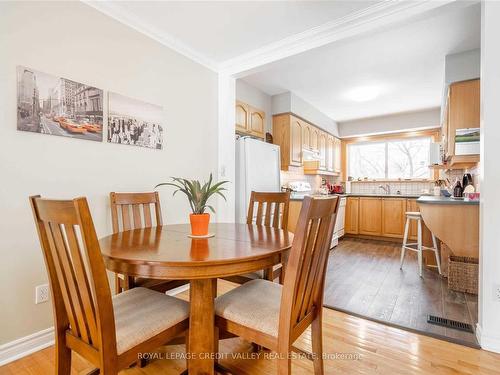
(253, 96)
(75, 41)
(398, 122)
(489, 307)
(289, 102)
(460, 66)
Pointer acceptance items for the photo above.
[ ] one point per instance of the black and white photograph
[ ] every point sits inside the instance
(52, 105)
(134, 122)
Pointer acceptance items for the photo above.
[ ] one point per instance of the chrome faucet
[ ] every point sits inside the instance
(386, 188)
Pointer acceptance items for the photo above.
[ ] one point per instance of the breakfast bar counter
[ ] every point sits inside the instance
(454, 221)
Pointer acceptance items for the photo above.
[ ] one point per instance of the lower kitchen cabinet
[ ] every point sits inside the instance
(393, 217)
(352, 215)
(293, 215)
(370, 216)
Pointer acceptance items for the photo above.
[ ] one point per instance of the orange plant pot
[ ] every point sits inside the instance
(199, 224)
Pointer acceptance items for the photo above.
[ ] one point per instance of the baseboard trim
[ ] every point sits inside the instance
(26, 345)
(487, 342)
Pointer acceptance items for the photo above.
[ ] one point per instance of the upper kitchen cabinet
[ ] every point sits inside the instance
(294, 134)
(322, 150)
(242, 117)
(306, 136)
(314, 138)
(337, 151)
(330, 153)
(287, 133)
(257, 122)
(296, 129)
(249, 120)
(462, 112)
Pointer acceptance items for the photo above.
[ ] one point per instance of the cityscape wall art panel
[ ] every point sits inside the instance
(48, 104)
(134, 122)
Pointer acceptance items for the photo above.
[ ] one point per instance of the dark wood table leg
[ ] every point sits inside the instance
(201, 327)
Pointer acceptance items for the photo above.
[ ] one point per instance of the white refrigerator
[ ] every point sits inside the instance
(257, 169)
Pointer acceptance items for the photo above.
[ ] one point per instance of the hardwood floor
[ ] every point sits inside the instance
(364, 278)
(380, 349)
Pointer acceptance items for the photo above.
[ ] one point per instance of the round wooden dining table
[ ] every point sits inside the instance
(167, 252)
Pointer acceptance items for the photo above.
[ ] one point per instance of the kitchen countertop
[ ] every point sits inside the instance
(444, 200)
(301, 197)
(383, 195)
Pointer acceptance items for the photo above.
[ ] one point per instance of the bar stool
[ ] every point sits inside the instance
(417, 246)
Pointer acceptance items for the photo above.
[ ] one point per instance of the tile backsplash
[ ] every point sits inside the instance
(403, 187)
(297, 174)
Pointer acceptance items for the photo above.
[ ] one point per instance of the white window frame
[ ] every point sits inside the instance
(386, 167)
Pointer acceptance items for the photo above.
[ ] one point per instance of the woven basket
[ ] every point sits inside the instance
(463, 274)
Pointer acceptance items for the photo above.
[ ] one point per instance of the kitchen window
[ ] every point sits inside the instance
(390, 159)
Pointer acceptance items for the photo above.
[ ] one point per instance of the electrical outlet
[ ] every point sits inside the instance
(496, 292)
(42, 293)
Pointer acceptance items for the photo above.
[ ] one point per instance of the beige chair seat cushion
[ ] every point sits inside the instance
(255, 304)
(142, 313)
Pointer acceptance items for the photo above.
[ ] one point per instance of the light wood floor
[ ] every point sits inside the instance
(364, 278)
(381, 350)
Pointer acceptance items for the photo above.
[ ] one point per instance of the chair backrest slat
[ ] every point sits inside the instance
(137, 205)
(147, 215)
(78, 278)
(266, 215)
(306, 267)
(82, 282)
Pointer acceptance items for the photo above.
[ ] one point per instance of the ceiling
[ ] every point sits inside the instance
(218, 30)
(403, 64)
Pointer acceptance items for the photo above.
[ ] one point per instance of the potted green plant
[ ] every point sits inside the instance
(198, 196)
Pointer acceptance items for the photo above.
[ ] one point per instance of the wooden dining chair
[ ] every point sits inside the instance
(271, 211)
(134, 211)
(273, 315)
(108, 331)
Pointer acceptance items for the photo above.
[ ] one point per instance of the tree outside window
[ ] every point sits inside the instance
(394, 159)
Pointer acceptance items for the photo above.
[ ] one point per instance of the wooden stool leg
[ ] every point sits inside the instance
(419, 246)
(405, 240)
(436, 252)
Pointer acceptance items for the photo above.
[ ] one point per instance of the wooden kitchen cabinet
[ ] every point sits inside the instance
(337, 155)
(249, 120)
(293, 215)
(294, 134)
(314, 138)
(330, 153)
(257, 122)
(296, 142)
(306, 136)
(242, 117)
(322, 150)
(352, 215)
(462, 111)
(287, 133)
(393, 217)
(370, 216)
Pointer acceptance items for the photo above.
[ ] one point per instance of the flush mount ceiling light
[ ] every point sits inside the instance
(363, 94)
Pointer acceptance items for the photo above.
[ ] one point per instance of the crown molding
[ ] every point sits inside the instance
(381, 14)
(113, 10)
(362, 21)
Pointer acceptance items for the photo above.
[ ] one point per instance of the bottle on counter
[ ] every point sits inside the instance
(458, 190)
